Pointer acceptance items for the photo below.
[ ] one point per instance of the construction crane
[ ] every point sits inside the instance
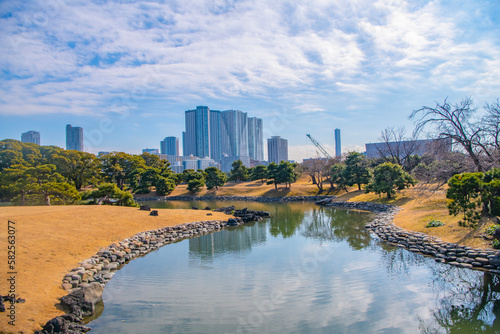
(318, 145)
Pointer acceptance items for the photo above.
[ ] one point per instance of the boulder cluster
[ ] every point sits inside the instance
(245, 214)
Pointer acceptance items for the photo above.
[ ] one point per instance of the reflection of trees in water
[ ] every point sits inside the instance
(399, 261)
(338, 225)
(469, 302)
(236, 240)
(285, 220)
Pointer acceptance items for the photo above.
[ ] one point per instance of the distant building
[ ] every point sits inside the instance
(408, 147)
(74, 138)
(202, 135)
(277, 149)
(170, 146)
(338, 147)
(227, 162)
(31, 137)
(150, 150)
(255, 139)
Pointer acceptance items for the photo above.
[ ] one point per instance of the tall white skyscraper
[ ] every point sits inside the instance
(31, 137)
(277, 149)
(74, 138)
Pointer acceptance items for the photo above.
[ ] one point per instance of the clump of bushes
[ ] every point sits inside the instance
(434, 223)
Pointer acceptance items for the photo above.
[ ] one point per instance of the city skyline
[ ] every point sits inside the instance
(126, 71)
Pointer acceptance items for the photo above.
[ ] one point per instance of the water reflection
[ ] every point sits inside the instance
(338, 225)
(305, 269)
(239, 240)
(285, 220)
(469, 302)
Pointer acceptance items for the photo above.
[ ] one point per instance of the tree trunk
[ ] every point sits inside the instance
(47, 199)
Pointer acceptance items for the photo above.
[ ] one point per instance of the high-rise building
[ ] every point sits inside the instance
(170, 146)
(215, 135)
(255, 139)
(277, 149)
(150, 150)
(338, 147)
(202, 135)
(234, 133)
(74, 138)
(222, 134)
(31, 137)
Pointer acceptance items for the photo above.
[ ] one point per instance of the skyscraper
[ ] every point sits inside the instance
(202, 135)
(170, 146)
(277, 149)
(338, 148)
(74, 138)
(234, 133)
(255, 138)
(31, 137)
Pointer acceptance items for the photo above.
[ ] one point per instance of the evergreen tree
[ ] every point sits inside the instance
(356, 170)
(389, 177)
(215, 178)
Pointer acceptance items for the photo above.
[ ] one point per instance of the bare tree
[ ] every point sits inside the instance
(455, 122)
(318, 169)
(396, 147)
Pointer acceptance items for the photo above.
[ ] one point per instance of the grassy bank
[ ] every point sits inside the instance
(50, 241)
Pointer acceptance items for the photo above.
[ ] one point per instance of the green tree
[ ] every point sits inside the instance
(109, 193)
(239, 172)
(356, 170)
(78, 167)
(464, 192)
(117, 167)
(273, 174)
(195, 180)
(15, 182)
(338, 175)
(259, 173)
(491, 192)
(164, 185)
(287, 173)
(38, 185)
(389, 177)
(215, 178)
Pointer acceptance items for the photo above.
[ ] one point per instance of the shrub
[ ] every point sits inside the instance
(434, 223)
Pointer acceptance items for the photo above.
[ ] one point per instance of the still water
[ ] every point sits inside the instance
(304, 270)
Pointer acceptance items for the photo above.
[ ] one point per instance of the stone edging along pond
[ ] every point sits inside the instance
(418, 242)
(88, 279)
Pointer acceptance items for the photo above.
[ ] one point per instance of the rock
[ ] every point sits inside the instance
(209, 214)
(154, 213)
(232, 222)
(145, 207)
(207, 208)
(82, 301)
(195, 208)
(68, 323)
(496, 234)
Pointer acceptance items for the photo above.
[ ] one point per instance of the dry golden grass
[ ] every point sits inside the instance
(50, 241)
(420, 207)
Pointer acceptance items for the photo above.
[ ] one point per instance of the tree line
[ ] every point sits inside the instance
(44, 175)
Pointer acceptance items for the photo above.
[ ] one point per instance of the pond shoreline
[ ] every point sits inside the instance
(102, 266)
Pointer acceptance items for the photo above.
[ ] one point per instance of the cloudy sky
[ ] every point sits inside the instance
(127, 70)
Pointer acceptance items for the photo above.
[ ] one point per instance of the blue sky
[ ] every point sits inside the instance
(127, 70)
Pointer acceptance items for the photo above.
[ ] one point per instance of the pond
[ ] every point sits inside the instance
(307, 269)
